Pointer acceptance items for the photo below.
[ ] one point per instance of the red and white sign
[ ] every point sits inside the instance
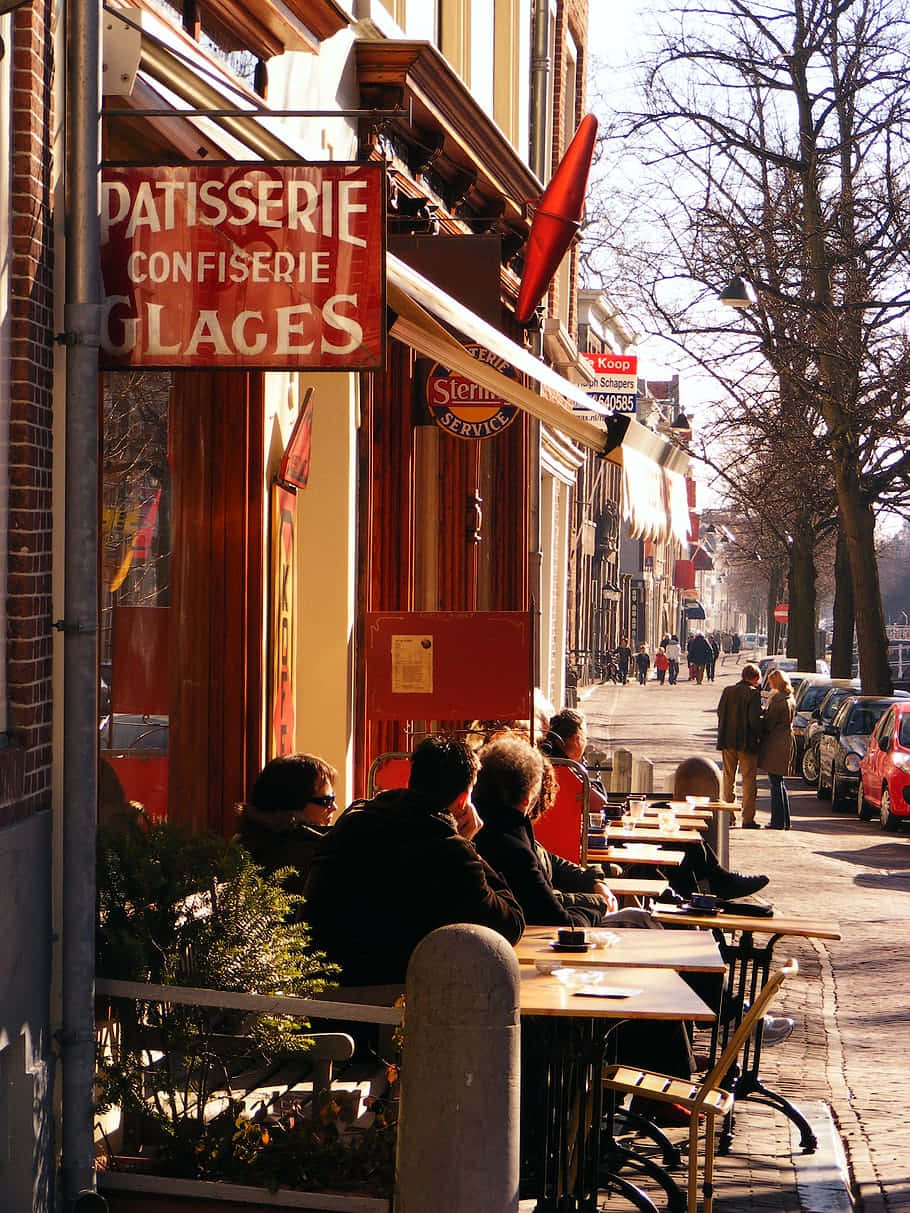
(243, 265)
(782, 612)
(616, 384)
(465, 408)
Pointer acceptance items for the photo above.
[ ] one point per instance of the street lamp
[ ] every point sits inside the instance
(738, 293)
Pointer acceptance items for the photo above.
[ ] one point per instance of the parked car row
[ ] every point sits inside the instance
(855, 748)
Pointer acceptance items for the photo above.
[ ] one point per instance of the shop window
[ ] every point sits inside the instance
(136, 552)
(181, 588)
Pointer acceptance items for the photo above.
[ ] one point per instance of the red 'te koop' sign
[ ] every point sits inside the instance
(243, 265)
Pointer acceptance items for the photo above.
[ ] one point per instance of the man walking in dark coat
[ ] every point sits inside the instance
(699, 653)
(739, 733)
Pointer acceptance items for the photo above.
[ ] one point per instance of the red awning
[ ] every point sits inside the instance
(684, 575)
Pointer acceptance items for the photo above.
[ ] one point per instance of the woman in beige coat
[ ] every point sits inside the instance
(776, 751)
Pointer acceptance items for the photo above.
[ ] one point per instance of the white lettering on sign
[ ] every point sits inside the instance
(289, 330)
(268, 203)
(239, 266)
(615, 364)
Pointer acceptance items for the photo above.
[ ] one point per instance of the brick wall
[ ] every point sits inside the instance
(25, 767)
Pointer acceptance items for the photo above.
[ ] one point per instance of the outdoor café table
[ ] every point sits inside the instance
(682, 951)
(636, 853)
(574, 1027)
(749, 967)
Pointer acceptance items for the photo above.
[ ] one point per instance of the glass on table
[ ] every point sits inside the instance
(667, 820)
(636, 811)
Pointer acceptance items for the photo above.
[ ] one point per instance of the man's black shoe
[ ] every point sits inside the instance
(750, 825)
(669, 898)
(730, 885)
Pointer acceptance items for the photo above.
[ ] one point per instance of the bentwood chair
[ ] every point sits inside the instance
(563, 829)
(708, 1096)
(388, 771)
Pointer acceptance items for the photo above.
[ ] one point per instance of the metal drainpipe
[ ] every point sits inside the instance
(541, 68)
(82, 314)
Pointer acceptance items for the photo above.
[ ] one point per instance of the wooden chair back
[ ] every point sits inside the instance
(563, 829)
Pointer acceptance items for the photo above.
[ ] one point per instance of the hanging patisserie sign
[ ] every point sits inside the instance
(243, 266)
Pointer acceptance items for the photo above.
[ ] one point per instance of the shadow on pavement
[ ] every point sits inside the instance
(887, 855)
(899, 881)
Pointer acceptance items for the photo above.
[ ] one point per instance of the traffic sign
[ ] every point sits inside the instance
(782, 612)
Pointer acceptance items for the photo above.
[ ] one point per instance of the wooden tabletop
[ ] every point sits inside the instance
(684, 951)
(653, 994)
(647, 832)
(637, 886)
(646, 853)
(777, 924)
(688, 821)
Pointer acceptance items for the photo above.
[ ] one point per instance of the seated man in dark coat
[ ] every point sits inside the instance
(394, 868)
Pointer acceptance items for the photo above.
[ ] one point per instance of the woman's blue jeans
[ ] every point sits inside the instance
(780, 803)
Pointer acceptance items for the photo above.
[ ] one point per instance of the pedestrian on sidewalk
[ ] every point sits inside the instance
(673, 655)
(661, 664)
(623, 659)
(739, 734)
(715, 653)
(642, 664)
(700, 654)
(776, 752)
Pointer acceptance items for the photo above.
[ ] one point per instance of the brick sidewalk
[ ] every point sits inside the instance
(844, 1064)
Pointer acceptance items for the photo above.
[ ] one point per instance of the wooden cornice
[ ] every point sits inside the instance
(270, 27)
(416, 77)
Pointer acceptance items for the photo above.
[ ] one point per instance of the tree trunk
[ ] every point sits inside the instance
(801, 624)
(844, 617)
(858, 523)
(775, 589)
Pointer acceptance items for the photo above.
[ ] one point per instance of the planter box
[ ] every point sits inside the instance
(133, 1193)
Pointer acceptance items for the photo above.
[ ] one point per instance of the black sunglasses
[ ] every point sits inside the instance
(324, 802)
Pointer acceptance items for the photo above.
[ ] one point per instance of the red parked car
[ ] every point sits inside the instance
(884, 783)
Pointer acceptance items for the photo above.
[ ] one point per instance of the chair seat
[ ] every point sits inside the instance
(692, 1095)
(706, 1095)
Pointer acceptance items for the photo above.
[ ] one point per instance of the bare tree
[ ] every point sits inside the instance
(774, 138)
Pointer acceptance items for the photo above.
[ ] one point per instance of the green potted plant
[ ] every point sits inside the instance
(176, 910)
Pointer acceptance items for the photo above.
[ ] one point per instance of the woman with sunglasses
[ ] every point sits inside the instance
(288, 814)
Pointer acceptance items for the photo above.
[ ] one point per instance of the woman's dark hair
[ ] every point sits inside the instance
(288, 783)
(566, 724)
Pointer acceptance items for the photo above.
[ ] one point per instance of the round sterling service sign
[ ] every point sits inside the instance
(465, 408)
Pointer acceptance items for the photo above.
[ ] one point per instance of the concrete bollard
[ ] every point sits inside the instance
(642, 776)
(460, 1076)
(621, 777)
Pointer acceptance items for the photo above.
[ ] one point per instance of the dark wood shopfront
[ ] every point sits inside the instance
(182, 535)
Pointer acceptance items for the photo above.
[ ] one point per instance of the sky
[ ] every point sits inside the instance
(614, 35)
